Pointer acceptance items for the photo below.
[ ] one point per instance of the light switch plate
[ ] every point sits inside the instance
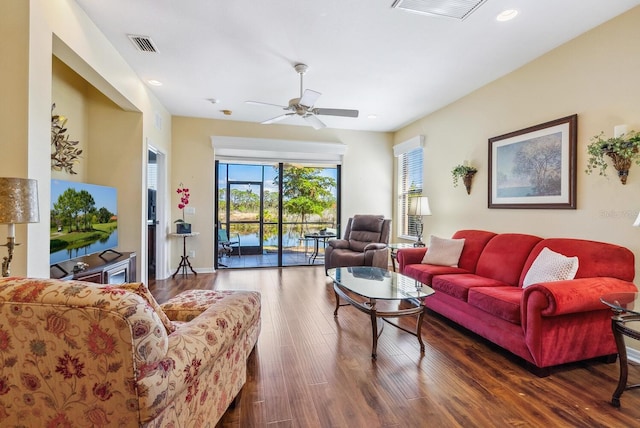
(190, 210)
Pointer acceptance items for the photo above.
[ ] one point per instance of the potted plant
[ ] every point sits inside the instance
(181, 225)
(465, 172)
(623, 151)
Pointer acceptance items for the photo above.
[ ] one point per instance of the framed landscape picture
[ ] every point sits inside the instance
(535, 167)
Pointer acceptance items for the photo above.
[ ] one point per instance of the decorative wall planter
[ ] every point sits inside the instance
(467, 179)
(465, 172)
(621, 164)
(622, 150)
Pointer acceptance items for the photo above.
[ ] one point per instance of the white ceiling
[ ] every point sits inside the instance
(362, 54)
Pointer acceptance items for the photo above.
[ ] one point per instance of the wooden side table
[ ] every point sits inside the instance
(394, 247)
(626, 307)
(184, 261)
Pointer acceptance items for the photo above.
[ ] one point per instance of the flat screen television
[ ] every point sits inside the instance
(84, 220)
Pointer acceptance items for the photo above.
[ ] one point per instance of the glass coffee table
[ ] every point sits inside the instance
(626, 307)
(362, 287)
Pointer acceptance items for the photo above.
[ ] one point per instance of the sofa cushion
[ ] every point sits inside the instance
(443, 252)
(504, 256)
(474, 243)
(503, 302)
(348, 257)
(187, 305)
(141, 290)
(597, 259)
(425, 273)
(365, 229)
(458, 285)
(550, 266)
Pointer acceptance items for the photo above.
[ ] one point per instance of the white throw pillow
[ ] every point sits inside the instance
(443, 252)
(550, 266)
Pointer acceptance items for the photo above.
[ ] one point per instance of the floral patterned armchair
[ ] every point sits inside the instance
(83, 354)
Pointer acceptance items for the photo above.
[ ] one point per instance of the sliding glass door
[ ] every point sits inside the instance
(271, 209)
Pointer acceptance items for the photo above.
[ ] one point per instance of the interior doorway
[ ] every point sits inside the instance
(152, 209)
(156, 203)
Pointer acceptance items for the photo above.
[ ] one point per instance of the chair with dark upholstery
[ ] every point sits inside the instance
(365, 243)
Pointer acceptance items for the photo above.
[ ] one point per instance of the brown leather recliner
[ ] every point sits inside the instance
(364, 244)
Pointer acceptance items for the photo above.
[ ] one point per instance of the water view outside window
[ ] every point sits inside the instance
(248, 205)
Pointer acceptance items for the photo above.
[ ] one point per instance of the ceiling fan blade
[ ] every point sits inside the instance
(335, 112)
(277, 118)
(309, 98)
(259, 103)
(314, 121)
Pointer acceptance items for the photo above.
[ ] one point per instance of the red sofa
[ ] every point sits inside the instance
(547, 323)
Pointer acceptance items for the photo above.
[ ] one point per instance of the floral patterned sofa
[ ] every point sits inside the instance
(82, 354)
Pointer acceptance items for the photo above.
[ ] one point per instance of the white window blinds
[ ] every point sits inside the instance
(410, 158)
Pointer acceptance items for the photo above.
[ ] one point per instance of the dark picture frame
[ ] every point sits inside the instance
(535, 167)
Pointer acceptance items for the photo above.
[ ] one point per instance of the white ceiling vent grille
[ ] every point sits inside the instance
(458, 9)
(142, 43)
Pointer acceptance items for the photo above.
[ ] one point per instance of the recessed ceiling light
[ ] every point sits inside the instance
(372, 116)
(154, 82)
(507, 15)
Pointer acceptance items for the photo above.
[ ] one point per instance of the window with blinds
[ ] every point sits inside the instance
(410, 185)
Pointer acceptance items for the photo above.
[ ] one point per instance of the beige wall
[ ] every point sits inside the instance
(367, 172)
(14, 43)
(22, 142)
(111, 142)
(116, 159)
(69, 93)
(31, 33)
(595, 76)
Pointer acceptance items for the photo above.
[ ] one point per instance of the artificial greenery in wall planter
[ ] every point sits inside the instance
(465, 172)
(64, 153)
(623, 151)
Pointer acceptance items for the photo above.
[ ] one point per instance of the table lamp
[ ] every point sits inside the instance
(18, 204)
(419, 206)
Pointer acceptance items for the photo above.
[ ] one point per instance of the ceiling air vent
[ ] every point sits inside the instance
(458, 9)
(142, 43)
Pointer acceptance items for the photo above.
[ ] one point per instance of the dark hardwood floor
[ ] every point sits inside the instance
(310, 369)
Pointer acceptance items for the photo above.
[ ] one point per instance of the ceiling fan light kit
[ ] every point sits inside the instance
(304, 105)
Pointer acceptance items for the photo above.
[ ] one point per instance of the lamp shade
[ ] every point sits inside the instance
(637, 222)
(18, 200)
(419, 206)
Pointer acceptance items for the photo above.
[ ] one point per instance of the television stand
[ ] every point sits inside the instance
(109, 251)
(101, 270)
(57, 266)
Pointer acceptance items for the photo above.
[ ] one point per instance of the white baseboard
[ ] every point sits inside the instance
(633, 355)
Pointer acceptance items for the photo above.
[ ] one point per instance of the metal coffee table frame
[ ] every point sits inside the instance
(400, 288)
(626, 308)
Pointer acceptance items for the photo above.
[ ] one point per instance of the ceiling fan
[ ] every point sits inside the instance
(304, 106)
